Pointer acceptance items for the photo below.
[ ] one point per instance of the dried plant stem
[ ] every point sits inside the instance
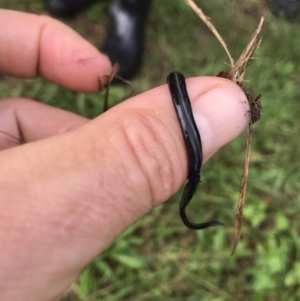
(241, 202)
(205, 19)
(237, 75)
(114, 71)
(110, 77)
(241, 64)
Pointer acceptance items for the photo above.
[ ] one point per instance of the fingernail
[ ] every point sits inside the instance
(221, 114)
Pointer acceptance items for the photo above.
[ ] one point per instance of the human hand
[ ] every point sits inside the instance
(69, 193)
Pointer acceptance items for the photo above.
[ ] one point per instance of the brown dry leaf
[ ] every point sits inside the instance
(237, 75)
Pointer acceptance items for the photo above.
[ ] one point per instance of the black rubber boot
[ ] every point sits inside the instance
(287, 8)
(66, 8)
(125, 37)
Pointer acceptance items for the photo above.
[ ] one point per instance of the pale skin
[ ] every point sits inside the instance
(78, 184)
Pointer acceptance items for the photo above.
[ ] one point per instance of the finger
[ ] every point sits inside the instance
(84, 187)
(32, 45)
(23, 120)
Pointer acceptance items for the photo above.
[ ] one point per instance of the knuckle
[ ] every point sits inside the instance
(154, 152)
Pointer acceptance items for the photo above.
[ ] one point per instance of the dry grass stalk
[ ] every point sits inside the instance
(205, 19)
(241, 201)
(110, 77)
(237, 75)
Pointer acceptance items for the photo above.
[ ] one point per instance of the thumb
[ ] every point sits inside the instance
(84, 187)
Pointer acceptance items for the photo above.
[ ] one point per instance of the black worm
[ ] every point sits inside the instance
(182, 104)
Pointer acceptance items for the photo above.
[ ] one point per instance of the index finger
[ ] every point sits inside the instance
(32, 45)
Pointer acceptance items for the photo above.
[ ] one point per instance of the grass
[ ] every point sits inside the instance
(158, 258)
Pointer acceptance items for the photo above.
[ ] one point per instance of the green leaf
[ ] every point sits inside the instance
(132, 262)
(293, 277)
